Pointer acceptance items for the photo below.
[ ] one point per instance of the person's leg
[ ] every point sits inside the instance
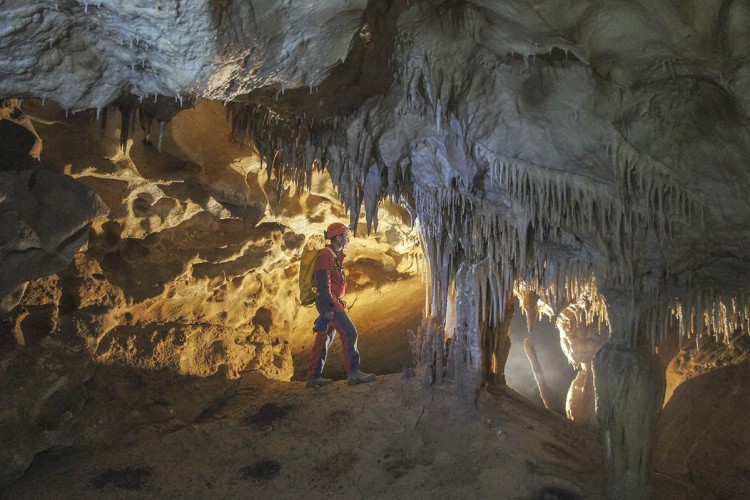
(319, 353)
(349, 347)
(343, 323)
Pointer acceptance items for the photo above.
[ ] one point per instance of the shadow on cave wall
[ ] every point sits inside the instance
(15, 146)
(65, 403)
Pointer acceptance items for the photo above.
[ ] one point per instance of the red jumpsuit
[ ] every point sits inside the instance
(331, 284)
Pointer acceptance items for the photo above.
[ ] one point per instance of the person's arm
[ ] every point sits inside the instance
(323, 281)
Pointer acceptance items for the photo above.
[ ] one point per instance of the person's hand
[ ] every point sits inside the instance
(329, 315)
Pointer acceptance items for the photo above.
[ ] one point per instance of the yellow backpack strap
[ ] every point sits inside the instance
(336, 260)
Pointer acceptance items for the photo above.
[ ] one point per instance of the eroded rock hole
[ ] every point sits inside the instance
(129, 478)
(267, 415)
(262, 471)
(263, 317)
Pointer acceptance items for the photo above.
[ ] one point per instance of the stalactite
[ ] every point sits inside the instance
(161, 136)
(135, 110)
(372, 196)
(536, 369)
(292, 147)
(666, 198)
(103, 122)
(706, 312)
(126, 117)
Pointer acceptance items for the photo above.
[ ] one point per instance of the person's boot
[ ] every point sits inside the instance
(360, 377)
(318, 382)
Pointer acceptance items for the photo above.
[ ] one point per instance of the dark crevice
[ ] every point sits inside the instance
(15, 147)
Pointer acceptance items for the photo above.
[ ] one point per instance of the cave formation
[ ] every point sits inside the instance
(163, 164)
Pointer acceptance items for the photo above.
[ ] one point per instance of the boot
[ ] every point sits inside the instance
(359, 377)
(318, 382)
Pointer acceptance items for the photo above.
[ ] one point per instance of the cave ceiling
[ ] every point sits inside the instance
(559, 140)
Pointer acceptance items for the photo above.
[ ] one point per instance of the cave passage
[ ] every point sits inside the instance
(579, 165)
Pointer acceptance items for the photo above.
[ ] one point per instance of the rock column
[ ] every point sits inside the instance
(630, 388)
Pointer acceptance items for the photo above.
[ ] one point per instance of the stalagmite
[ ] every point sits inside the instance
(536, 368)
(581, 334)
(580, 400)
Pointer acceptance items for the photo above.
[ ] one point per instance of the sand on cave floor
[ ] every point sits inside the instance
(393, 438)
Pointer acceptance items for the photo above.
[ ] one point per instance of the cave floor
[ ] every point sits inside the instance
(392, 438)
(388, 439)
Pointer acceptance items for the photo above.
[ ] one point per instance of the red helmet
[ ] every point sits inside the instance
(336, 229)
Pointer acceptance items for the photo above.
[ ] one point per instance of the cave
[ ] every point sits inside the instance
(548, 269)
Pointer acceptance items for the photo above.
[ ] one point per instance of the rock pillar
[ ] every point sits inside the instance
(630, 388)
(465, 355)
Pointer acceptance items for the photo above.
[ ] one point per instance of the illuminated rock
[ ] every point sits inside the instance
(552, 142)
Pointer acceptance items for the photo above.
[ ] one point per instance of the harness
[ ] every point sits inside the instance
(338, 266)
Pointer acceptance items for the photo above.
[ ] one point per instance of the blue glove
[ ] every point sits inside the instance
(321, 324)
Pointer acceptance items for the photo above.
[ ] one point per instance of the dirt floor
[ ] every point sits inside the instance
(392, 438)
(388, 439)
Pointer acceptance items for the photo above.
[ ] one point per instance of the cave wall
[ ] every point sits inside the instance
(197, 248)
(559, 143)
(702, 435)
(187, 278)
(45, 216)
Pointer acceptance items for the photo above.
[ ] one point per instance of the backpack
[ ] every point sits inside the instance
(308, 291)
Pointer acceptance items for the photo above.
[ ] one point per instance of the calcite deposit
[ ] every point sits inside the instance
(567, 145)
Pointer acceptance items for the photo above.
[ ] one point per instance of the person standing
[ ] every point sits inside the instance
(331, 284)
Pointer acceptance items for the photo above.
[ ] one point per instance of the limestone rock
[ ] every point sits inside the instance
(11, 299)
(44, 217)
(697, 359)
(703, 436)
